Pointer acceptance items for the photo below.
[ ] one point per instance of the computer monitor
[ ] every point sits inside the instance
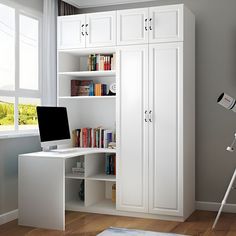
(53, 126)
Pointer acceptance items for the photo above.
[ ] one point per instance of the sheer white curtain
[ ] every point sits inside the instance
(49, 85)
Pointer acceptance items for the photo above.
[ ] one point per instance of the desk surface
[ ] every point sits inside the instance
(77, 152)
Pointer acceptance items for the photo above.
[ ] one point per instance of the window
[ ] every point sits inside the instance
(20, 68)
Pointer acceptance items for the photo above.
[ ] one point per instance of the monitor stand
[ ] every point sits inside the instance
(49, 148)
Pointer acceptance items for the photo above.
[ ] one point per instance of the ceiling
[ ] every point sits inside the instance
(98, 3)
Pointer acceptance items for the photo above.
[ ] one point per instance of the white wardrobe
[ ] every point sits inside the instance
(156, 110)
(155, 103)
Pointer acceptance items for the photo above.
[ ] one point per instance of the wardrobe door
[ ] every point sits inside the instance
(166, 23)
(165, 135)
(132, 26)
(132, 128)
(100, 29)
(71, 32)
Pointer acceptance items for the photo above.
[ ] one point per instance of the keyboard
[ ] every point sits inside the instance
(65, 150)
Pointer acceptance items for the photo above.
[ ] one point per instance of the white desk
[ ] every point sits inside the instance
(41, 187)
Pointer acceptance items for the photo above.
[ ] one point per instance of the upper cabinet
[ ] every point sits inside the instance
(166, 24)
(71, 32)
(101, 29)
(132, 26)
(87, 30)
(150, 25)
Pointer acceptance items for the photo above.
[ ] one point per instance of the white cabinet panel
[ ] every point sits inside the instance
(166, 24)
(71, 32)
(101, 29)
(133, 130)
(132, 26)
(165, 175)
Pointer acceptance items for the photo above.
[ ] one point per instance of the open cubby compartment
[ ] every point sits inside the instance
(92, 113)
(65, 82)
(95, 165)
(99, 195)
(69, 62)
(71, 163)
(72, 193)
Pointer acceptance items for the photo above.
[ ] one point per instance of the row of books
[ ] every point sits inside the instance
(110, 164)
(101, 62)
(87, 88)
(93, 137)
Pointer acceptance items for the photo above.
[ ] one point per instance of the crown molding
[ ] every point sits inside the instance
(101, 3)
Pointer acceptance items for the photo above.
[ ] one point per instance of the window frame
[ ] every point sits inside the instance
(19, 92)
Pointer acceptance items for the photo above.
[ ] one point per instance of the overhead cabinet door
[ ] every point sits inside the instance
(165, 129)
(166, 24)
(101, 29)
(132, 179)
(132, 26)
(71, 32)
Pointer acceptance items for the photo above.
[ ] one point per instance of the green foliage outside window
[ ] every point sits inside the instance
(27, 114)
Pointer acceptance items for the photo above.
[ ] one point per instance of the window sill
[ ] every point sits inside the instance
(19, 134)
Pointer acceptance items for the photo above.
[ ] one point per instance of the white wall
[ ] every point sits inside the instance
(10, 148)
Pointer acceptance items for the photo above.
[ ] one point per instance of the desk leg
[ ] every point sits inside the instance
(225, 199)
(41, 190)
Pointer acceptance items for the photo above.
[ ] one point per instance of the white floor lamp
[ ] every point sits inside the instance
(230, 104)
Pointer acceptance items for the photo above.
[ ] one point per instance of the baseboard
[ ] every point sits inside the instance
(9, 216)
(214, 206)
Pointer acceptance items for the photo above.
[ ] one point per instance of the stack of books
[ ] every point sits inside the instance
(110, 164)
(93, 137)
(87, 88)
(98, 62)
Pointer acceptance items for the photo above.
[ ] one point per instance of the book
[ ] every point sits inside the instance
(85, 87)
(74, 87)
(110, 164)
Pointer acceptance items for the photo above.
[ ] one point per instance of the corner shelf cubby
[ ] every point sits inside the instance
(97, 185)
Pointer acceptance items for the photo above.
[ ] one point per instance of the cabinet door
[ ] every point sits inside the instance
(71, 32)
(132, 130)
(165, 134)
(132, 26)
(101, 29)
(166, 24)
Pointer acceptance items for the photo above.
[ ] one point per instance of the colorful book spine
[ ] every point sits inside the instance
(93, 137)
(98, 62)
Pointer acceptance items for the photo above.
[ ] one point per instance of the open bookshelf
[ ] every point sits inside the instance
(93, 112)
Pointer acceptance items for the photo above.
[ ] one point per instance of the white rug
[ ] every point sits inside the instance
(133, 232)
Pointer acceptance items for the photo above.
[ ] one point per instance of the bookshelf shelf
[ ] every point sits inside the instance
(104, 73)
(87, 51)
(74, 176)
(102, 177)
(75, 205)
(87, 97)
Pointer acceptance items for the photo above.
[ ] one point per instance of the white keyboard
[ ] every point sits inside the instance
(65, 150)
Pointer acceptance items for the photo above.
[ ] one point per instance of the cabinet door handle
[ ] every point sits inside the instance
(82, 29)
(86, 29)
(145, 113)
(146, 28)
(150, 22)
(150, 116)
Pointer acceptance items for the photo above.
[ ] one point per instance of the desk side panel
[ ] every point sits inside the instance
(41, 192)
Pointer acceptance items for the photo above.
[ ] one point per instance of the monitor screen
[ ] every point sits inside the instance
(53, 123)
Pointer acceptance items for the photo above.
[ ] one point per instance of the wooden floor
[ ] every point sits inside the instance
(86, 224)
